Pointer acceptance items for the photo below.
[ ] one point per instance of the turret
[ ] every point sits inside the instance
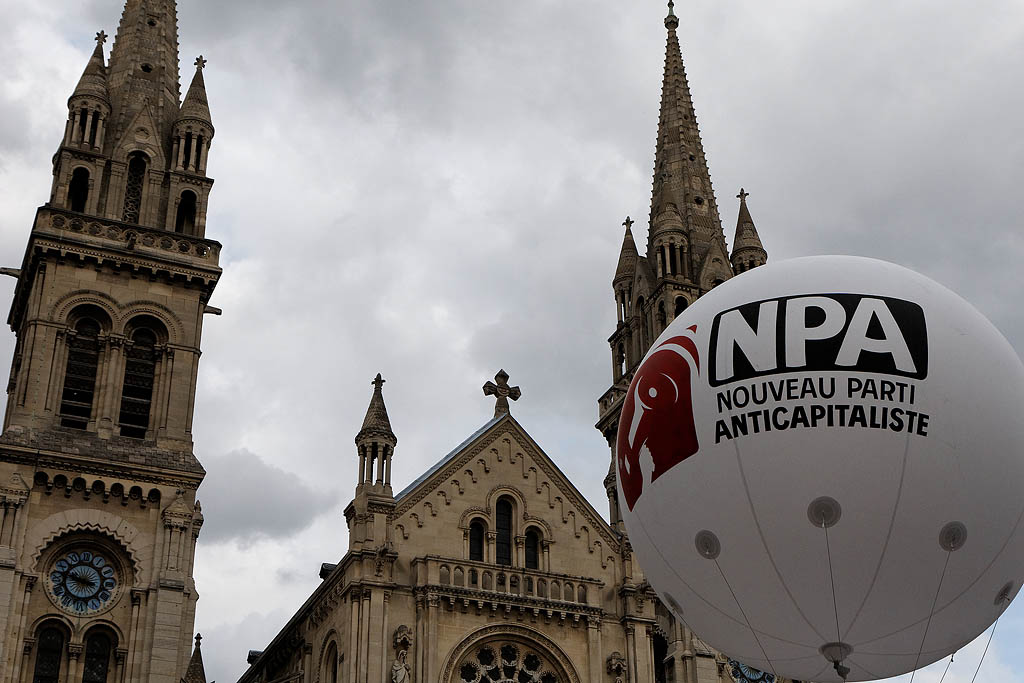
(192, 133)
(89, 106)
(376, 443)
(747, 250)
(367, 514)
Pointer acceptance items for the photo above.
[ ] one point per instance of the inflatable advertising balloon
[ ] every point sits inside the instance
(821, 469)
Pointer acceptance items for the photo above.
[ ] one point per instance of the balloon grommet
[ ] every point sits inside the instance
(953, 536)
(836, 652)
(1004, 594)
(824, 512)
(708, 545)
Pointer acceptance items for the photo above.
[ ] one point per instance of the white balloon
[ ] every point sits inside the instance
(820, 461)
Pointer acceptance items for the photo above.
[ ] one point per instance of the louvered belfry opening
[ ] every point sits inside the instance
(133, 187)
(137, 392)
(80, 375)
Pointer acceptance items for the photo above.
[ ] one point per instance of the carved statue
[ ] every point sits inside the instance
(400, 670)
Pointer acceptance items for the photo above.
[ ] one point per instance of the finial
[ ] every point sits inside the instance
(199, 637)
(671, 21)
(101, 37)
(628, 222)
(742, 196)
(200, 62)
(502, 392)
(378, 382)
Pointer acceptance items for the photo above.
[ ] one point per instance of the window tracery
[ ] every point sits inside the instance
(506, 663)
(133, 188)
(97, 659)
(49, 654)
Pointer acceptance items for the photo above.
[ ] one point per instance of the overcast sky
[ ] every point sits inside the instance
(434, 191)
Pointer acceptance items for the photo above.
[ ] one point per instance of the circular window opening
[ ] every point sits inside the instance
(151, 22)
(698, 200)
(692, 158)
(147, 68)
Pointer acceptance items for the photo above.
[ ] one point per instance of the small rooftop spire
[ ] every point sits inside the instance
(94, 79)
(746, 245)
(195, 672)
(376, 422)
(196, 106)
(627, 255)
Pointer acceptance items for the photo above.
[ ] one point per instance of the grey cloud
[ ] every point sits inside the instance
(245, 499)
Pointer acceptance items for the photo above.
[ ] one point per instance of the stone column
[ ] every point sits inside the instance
(23, 665)
(74, 652)
(353, 630)
(202, 159)
(76, 129)
(30, 582)
(119, 657)
(88, 128)
(594, 648)
(101, 130)
(364, 635)
(179, 153)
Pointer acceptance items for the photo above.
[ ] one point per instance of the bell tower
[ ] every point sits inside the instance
(687, 255)
(97, 469)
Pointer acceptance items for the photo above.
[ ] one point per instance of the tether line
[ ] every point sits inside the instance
(985, 652)
(832, 580)
(931, 613)
(740, 607)
(947, 668)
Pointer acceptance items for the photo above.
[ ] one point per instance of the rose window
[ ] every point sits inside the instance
(82, 581)
(505, 663)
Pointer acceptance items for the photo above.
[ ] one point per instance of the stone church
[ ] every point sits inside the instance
(97, 474)
(491, 567)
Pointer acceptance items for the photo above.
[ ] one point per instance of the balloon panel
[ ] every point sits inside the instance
(843, 378)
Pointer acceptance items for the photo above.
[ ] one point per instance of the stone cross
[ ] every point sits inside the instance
(378, 381)
(671, 6)
(628, 222)
(200, 62)
(503, 392)
(742, 196)
(101, 37)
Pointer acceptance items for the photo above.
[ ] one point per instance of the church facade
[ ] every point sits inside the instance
(491, 566)
(98, 477)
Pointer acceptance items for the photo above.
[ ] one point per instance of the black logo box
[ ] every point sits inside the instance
(821, 353)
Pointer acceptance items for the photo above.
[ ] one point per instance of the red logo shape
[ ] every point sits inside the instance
(656, 428)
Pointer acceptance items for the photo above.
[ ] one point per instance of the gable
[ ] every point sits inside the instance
(499, 459)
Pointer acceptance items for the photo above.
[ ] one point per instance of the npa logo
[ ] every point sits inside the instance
(656, 428)
(819, 333)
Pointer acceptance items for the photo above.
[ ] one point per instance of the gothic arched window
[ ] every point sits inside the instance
(681, 304)
(186, 219)
(137, 393)
(97, 658)
(476, 541)
(137, 163)
(80, 375)
(532, 546)
(49, 654)
(331, 664)
(503, 524)
(78, 189)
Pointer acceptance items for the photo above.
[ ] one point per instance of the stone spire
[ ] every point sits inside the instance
(195, 672)
(681, 176)
(376, 422)
(747, 250)
(143, 69)
(93, 82)
(627, 255)
(196, 107)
